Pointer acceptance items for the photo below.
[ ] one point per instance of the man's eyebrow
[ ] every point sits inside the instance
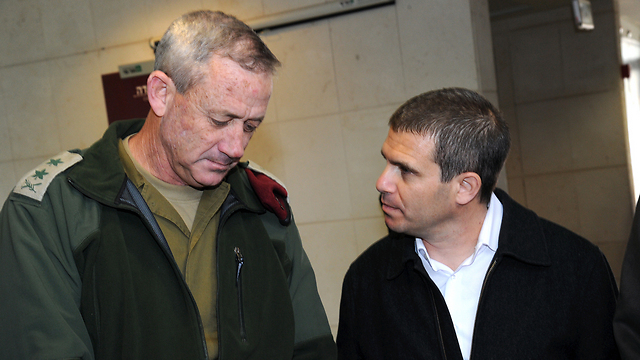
(230, 115)
(402, 165)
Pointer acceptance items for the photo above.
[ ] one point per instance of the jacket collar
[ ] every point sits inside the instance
(402, 247)
(100, 175)
(521, 237)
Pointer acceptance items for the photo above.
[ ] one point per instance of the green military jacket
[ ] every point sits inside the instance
(85, 272)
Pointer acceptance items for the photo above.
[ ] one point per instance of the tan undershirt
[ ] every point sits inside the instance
(189, 220)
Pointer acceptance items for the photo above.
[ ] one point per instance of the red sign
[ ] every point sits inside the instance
(125, 98)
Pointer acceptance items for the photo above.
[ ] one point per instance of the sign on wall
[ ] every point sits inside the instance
(125, 92)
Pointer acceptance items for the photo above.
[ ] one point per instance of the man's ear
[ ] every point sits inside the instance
(469, 184)
(160, 90)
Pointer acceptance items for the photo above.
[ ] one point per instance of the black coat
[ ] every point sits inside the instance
(549, 294)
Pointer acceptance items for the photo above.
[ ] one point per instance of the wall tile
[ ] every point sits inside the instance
(554, 197)
(597, 129)
(536, 55)
(68, 26)
(491, 96)
(331, 248)
(363, 133)
(6, 153)
(368, 231)
(118, 22)
(481, 29)
(569, 122)
(242, 9)
(30, 111)
(21, 33)
(513, 165)
(79, 100)
(435, 52)
(551, 59)
(276, 6)
(265, 149)
(8, 179)
(111, 58)
(316, 169)
(534, 19)
(161, 13)
(306, 85)
(545, 137)
(604, 204)
(502, 181)
(502, 59)
(272, 111)
(516, 190)
(367, 59)
(572, 133)
(599, 72)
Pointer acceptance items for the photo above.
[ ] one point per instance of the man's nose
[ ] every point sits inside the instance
(233, 143)
(384, 184)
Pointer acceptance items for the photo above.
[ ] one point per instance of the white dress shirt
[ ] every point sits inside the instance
(461, 288)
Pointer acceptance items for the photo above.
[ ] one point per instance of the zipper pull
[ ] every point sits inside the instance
(239, 262)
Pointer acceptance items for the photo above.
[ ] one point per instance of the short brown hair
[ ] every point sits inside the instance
(468, 131)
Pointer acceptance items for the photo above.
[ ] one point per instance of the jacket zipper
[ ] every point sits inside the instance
(240, 263)
(435, 312)
(426, 281)
(226, 212)
(484, 283)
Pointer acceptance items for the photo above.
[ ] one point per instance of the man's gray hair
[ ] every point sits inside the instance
(186, 48)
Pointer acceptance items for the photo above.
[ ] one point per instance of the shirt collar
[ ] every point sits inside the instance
(489, 234)
(490, 231)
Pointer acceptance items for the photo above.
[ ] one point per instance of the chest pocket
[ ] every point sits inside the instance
(255, 310)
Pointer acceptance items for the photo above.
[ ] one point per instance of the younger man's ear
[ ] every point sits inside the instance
(160, 90)
(469, 187)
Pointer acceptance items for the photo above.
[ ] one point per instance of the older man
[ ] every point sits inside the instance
(466, 272)
(155, 243)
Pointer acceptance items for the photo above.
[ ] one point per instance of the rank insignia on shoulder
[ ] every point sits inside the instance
(272, 193)
(35, 183)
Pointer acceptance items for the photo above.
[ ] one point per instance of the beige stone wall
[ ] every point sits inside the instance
(561, 92)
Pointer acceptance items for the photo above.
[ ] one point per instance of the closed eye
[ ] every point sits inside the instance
(220, 123)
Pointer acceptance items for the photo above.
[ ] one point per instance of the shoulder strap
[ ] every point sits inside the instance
(271, 192)
(35, 183)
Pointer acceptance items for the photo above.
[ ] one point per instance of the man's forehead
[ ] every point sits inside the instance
(227, 77)
(409, 137)
(408, 145)
(218, 63)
